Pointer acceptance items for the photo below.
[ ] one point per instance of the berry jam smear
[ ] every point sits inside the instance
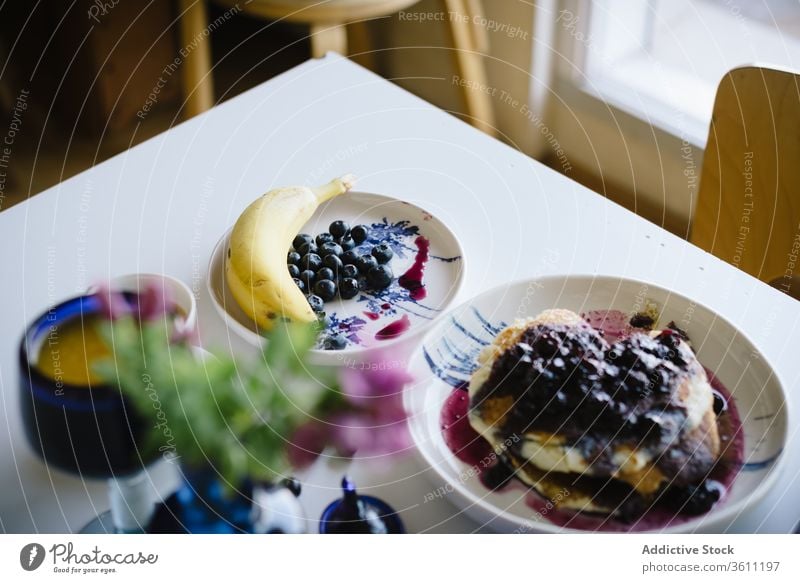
(583, 357)
(394, 329)
(468, 446)
(412, 279)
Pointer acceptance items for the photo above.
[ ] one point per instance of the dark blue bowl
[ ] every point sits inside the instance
(86, 431)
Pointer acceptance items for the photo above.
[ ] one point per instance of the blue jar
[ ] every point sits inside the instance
(85, 430)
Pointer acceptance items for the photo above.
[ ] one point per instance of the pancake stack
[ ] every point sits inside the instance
(596, 427)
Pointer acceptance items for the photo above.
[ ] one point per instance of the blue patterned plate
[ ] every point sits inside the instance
(446, 359)
(391, 318)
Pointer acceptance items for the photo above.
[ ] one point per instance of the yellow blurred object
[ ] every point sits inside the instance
(69, 351)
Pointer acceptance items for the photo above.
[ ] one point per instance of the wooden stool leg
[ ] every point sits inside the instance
(469, 65)
(328, 37)
(360, 39)
(480, 36)
(198, 85)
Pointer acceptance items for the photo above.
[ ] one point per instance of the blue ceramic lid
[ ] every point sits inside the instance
(356, 514)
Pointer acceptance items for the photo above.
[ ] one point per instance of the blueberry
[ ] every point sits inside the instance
(366, 262)
(339, 228)
(301, 240)
(693, 500)
(317, 304)
(293, 258)
(325, 289)
(294, 271)
(333, 262)
(323, 320)
(323, 238)
(383, 253)
(324, 273)
(349, 271)
(307, 277)
(330, 248)
(346, 243)
(299, 284)
(380, 277)
(311, 261)
(335, 342)
(307, 248)
(348, 288)
(350, 257)
(359, 234)
(720, 403)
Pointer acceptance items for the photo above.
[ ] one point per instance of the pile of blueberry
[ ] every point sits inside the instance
(329, 264)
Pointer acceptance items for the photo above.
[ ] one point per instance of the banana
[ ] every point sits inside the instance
(255, 263)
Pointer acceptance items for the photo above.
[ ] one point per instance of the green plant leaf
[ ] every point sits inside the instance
(236, 416)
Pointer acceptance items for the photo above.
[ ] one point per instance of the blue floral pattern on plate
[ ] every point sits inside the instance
(453, 356)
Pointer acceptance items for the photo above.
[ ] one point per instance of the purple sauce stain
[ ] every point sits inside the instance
(394, 329)
(412, 278)
(459, 436)
(468, 445)
(731, 434)
(372, 315)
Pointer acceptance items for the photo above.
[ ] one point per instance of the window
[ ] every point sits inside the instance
(634, 81)
(663, 59)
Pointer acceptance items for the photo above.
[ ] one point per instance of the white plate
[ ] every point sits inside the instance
(392, 221)
(447, 355)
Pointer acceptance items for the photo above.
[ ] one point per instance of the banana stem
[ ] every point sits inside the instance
(335, 187)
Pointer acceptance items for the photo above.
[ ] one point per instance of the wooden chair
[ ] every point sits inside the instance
(748, 206)
(327, 21)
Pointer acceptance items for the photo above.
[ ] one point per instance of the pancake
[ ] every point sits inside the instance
(597, 427)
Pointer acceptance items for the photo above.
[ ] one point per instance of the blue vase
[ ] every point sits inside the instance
(206, 507)
(203, 505)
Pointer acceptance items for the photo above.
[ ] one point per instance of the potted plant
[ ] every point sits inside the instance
(239, 430)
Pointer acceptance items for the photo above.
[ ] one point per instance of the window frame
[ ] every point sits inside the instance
(653, 164)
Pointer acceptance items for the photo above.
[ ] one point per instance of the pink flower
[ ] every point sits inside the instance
(371, 423)
(151, 302)
(154, 302)
(369, 434)
(376, 425)
(307, 442)
(112, 303)
(379, 380)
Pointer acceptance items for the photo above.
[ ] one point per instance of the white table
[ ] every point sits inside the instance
(161, 206)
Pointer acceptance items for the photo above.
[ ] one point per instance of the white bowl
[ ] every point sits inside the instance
(398, 222)
(447, 357)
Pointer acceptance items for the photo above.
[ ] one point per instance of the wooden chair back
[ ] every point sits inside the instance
(748, 206)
